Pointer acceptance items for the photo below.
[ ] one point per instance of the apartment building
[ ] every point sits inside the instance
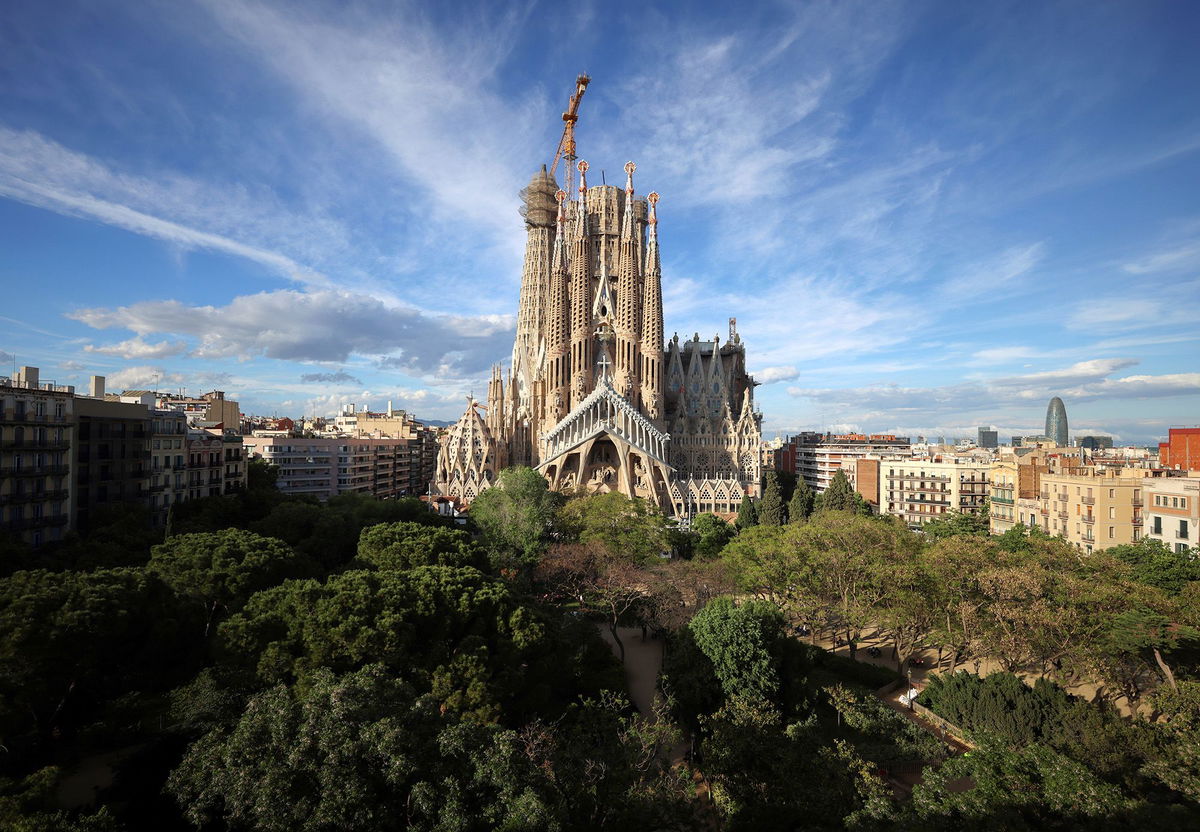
(1173, 511)
(235, 463)
(111, 454)
(37, 424)
(819, 456)
(1181, 451)
(325, 467)
(1094, 508)
(212, 409)
(920, 490)
(168, 462)
(1013, 484)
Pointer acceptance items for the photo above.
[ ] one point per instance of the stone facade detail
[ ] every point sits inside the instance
(594, 399)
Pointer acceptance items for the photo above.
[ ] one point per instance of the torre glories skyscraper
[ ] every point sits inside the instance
(1056, 422)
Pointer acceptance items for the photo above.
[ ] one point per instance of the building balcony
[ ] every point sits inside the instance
(1180, 535)
(44, 471)
(35, 444)
(1062, 515)
(1137, 521)
(36, 522)
(1045, 512)
(1087, 518)
(1008, 501)
(33, 497)
(27, 418)
(1063, 497)
(1137, 501)
(1088, 501)
(156, 488)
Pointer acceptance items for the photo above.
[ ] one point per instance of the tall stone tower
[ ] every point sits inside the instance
(596, 400)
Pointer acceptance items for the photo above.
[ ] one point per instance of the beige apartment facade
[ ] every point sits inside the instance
(1094, 509)
(921, 490)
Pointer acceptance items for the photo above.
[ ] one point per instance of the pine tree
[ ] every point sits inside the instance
(839, 495)
(771, 512)
(801, 505)
(747, 515)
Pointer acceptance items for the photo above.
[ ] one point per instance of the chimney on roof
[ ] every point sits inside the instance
(27, 376)
(96, 387)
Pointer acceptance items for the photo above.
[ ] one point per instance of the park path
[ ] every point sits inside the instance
(643, 661)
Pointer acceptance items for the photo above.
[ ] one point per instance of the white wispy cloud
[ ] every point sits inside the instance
(139, 348)
(185, 212)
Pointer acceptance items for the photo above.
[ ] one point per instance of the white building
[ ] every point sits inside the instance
(1173, 511)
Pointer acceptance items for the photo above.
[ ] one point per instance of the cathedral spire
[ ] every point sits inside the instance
(652, 319)
(558, 324)
(628, 300)
(582, 348)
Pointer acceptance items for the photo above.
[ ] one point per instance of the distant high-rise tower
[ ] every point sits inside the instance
(988, 438)
(1056, 422)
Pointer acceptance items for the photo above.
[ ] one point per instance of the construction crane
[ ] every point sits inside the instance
(566, 145)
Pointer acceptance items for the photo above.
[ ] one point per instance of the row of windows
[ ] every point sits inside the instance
(1165, 501)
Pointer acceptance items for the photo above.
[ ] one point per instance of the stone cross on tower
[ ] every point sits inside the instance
(604, 334)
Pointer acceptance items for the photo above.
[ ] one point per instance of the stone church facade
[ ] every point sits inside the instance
(595, 398)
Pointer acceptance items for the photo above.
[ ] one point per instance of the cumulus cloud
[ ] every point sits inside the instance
(340, 377)
(139, 348)
(322, 326)
(767, 375)
(142, 378)
(72, 366)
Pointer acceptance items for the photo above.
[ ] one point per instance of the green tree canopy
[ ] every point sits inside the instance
(712, 534)
(771, 510)
(741, 641)
(838, 495)
(460, 631)
(516, 516)
(409, 545)
(72, 639)
(996, 788)
(1152, 562)
(221, 570)
(627, 528)
(801, 505)
(747, 514)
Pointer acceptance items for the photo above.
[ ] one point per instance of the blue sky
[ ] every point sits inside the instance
(925, 216)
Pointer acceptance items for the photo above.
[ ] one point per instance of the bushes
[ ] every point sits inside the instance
(1003, 707)
(999, 704)
(886, 736)
(869, 675)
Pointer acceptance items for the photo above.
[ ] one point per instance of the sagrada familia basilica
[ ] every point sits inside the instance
(594, 399)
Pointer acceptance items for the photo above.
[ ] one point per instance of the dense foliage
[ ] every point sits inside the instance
(277, 663)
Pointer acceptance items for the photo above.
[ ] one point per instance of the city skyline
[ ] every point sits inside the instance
(951, 249)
